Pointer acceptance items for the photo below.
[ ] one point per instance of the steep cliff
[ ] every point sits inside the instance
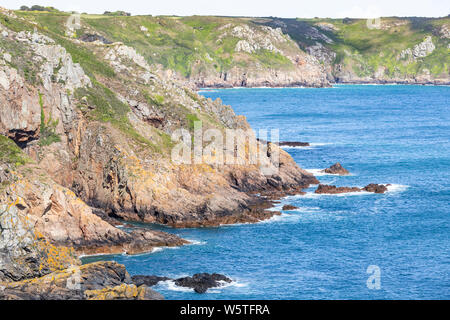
(95, 120)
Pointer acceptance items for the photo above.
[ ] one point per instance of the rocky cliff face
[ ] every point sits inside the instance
(87, 127)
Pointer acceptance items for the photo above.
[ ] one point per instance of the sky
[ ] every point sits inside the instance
(252, 8)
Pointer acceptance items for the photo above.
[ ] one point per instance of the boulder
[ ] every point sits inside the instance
(336, 168)
(376, 188)
(293, 144)
(326, 189)
(201, 282)
(150, 281)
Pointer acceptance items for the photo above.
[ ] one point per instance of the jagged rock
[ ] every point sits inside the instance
(322, 188)
(293, 144)
(201, 282)
(337, 168)
(376, 188)
(24, 252)
(288, 207)
(327, 189)
(123, 292)
(150, 281)
(424, 48)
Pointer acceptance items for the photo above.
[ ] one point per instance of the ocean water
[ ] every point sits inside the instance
(381, 134)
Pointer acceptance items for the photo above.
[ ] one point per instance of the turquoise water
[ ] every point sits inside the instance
(382, 134)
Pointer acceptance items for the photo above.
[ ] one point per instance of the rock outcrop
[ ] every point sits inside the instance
(288, 207)
(328, 189)
(338, 169)
(200, 282)
(95, 281)
(293, 144)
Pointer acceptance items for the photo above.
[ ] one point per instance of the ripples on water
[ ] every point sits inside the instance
(381, 134)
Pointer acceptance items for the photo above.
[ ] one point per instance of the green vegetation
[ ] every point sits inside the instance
(365, 50)
(47, 132)
(10, 153)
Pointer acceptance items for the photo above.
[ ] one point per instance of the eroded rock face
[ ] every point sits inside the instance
(24, 252)
(337, 168)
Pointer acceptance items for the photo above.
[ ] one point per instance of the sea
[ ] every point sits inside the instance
(348, 246)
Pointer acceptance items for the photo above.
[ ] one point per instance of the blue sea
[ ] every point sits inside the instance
(382, 134)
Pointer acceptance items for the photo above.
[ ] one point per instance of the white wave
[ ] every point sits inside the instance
(312, 145)
(312, 195)
(195, 242)
(397, 187)
(170, 285)
(319, 144)
(319, 172)
(297, 147)
(284, 217)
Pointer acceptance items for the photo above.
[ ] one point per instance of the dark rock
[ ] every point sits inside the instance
(150, 281)
(336, 168)
(288, 207)
(376, 188)
(323, 188)
(201, 282)
(89, 37)
(293, 144)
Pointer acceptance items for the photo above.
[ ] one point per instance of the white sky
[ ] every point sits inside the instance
(278, 8)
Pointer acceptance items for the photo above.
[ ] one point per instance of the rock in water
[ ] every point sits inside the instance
(150, 281)
(337, 168)
(288, 207)
(376, 188)
(326, 189)
(201, 282)
(293, 144)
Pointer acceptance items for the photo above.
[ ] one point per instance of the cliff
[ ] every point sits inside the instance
(86, 145)
(389, 50)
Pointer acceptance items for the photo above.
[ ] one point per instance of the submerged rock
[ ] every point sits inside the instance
(201, 282)
(337, 168)
(288, 207)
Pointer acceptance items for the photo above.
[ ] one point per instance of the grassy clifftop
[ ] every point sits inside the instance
(220, 49)
(177, 43)
(396, 48)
